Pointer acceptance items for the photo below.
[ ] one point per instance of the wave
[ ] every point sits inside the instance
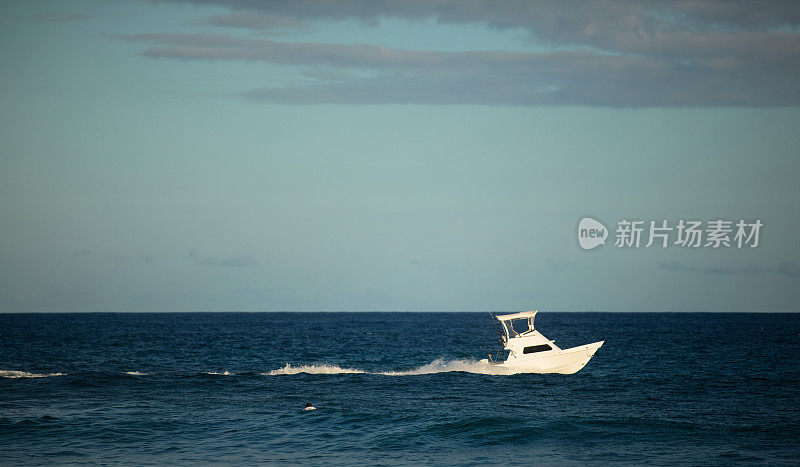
(216, 373)
(439, 365)
(136, 373)
(25, 374)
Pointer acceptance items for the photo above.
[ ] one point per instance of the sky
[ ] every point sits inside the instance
(236, 155)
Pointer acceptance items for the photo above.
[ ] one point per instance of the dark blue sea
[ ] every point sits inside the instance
(395, 388)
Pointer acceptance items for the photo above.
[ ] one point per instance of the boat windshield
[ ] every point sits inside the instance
(518, 327)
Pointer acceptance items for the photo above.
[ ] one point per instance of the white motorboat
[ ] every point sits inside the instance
(530, 352)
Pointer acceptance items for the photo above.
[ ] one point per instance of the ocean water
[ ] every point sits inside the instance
(395, 388)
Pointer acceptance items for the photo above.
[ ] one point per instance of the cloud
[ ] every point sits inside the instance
(617, 54)
(558, 265)
(266, 23)
(145, 258)
(727, 270)
(200, 258)
(535, 15)
(56, 17)
(789, 268)
(397, 76)
(82, 253)
(751, 269)
(237, 261)
(677, 266)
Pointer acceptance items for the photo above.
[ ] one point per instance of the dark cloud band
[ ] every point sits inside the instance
(618, 54)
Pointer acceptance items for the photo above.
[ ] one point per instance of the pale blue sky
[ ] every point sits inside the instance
(235, 155)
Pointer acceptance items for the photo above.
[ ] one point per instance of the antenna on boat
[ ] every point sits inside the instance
(495, 326)
(491, 315)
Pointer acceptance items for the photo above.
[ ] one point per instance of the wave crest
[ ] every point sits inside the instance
(25, 374)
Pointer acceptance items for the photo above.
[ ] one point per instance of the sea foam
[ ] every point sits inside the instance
(312, 369)
(439, 365)
(25, 374)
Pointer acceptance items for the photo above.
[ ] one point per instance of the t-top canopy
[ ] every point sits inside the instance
(524, 314)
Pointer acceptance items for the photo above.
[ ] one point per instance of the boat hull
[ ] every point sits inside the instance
(564, 361)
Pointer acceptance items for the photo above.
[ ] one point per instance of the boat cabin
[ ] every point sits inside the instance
(520, 338)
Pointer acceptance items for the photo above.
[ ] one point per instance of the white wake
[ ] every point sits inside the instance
(312, 369)
(439, 365)
(25, 374)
